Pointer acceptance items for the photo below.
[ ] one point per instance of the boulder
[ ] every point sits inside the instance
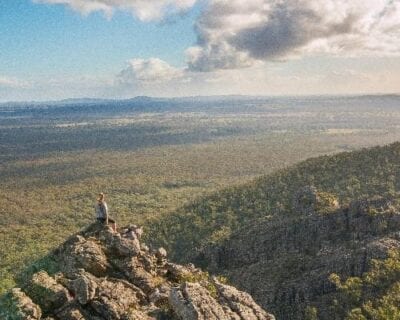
(241, 303)
(17, 305)
(84, 287)
(71, 312)
(192, 301)
(84, 254)
(161, 253)
(45, 291)
(114, 300)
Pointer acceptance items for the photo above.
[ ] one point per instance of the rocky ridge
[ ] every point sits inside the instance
(285, 262)
(112, 275)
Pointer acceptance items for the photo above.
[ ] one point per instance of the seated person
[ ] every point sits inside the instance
(102, 212)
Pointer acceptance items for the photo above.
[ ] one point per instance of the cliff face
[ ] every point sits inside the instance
(111, 275)
(285, 262)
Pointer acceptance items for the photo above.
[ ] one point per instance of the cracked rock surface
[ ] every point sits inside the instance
(107, 275)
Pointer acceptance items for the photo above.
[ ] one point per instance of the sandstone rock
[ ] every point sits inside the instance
(131, 235)
(160, 295)
(133, 231)
(139, 232)
(241, 303)
(106, 276)
(161, 254)
(45, 290)
(116, 245)
(20, 306)
(115, 299)
(84, 287)
(138, 315)
(192, 301)
(143, 279)
(71, 312)
(179, 273)
(84, 254)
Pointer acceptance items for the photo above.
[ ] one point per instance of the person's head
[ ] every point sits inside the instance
(101, 197)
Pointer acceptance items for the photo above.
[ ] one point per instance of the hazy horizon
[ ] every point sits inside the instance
(233, 96)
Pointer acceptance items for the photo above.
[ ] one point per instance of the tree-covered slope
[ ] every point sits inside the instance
(292, 238)
(345, 177)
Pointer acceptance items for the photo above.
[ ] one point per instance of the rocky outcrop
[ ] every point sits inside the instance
(20, 306)
(106, 275)
(193, 301)
(308, 200)
(285, 262)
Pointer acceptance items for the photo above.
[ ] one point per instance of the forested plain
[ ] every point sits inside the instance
(153, 157)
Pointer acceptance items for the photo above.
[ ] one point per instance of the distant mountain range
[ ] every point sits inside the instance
(141, 99)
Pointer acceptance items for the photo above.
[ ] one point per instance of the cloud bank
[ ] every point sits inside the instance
(235, 33)
(145, 10)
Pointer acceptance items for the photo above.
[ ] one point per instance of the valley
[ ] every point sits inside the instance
(193, 171)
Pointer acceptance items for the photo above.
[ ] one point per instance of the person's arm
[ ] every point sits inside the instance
(105, 212)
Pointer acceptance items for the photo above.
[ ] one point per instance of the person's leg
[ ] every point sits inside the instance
(114, 224)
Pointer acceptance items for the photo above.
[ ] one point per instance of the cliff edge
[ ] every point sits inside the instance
(103, 274)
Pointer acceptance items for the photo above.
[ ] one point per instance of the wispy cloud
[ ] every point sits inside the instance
(145, 10)
(8, 82)
(235, 33)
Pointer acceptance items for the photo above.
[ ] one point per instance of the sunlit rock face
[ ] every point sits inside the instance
(285, 262)
(111, 275)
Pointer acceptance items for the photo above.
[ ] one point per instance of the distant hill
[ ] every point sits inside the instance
(288, 237)
(231, 102)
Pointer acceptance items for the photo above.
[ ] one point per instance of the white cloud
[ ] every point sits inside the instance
(235, 33)
(145, 10)
(148, 72)
(7, 82)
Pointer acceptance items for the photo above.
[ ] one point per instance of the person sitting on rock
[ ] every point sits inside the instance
(102, 212)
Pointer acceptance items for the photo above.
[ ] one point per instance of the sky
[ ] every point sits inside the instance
(58, 49)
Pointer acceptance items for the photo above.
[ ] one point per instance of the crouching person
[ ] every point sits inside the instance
(102, 212)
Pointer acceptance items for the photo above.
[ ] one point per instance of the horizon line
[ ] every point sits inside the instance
(94, 99)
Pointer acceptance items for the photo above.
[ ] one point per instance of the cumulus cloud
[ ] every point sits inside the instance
(148, 71)
(235, 33)
(145, 10)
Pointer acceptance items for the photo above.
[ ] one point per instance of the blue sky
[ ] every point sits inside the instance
(55, 49)
(43, 38)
